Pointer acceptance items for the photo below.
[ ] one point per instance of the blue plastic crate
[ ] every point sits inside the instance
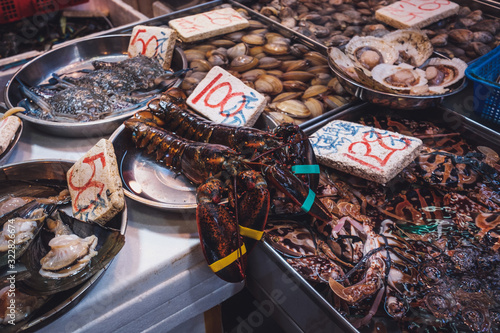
(485, 73)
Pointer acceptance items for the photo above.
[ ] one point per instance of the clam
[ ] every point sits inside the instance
(413, 46)
(334, 102)
(316, 107)
(369, 51)
(298, 76)
(253, 39)
(294, 108)
(276, 48)
(286, 96)
(239, 49)
(269, 63)
(253, 74)
(316, 58)
(222, 43)
(443, 72)
(108, 242)
(200, 65)
(194, 54)
(280, 117)
(217, 59)
(243, 63)
(295, 65)
(399, 77)
(321, 79)
(295, 85)
(20, 227)
(253, 51)
(314, 91)
(68, 255)
(268, 84)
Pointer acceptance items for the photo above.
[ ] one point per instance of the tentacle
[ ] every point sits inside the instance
(221, 242)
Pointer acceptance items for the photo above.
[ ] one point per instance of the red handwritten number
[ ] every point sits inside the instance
(145, 44)
(222, 104)
(379, 139)
(91, 183)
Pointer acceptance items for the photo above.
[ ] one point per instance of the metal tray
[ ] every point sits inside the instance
(73, 57)
(147, 181)
(297, 305)
(52, 172)
(6, 154)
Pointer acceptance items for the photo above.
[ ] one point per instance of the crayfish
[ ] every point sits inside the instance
(232, 167)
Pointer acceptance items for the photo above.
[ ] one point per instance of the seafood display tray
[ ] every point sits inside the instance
(74, 57)
(23, 175)
(294, 303)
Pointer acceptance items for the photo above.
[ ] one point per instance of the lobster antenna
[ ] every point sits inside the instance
(276, 148)
(235, 194)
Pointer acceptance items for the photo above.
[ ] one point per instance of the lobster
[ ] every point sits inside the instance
(239, 170)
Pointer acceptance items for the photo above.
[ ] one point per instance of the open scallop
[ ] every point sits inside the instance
(403, 77)
(368, 52)
(442, 73)
(412, 45)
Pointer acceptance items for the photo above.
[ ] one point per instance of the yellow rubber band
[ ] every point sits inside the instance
(12, 111)
(228, 260)
(251, 233)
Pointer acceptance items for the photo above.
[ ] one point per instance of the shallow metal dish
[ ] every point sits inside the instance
(70, 58)
(393, 101)
(6, 154)
(147, 181)
(53, 172)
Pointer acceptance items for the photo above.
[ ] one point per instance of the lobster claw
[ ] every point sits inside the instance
(224, 238)
(298, 191)
(221, 242)
(253, 206)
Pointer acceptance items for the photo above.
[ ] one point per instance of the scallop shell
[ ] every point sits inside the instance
(357, 49)
(342, 62)
(451, 71)
(384, 74)
(413, 46)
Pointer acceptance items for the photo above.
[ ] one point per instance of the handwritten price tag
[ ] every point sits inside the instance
(223, 98)
(153, 42)
(94, 184)
(209, 24)
(364, 151)
(416, 13)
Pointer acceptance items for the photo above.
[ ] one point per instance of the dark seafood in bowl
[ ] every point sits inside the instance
(44, 252)
(110, 89)
(421, 252)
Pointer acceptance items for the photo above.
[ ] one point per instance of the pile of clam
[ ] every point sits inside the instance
(398, 63)
(296, 81)
(467, 35)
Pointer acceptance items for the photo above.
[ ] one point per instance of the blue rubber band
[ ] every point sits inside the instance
(305, 169)
(306, 206)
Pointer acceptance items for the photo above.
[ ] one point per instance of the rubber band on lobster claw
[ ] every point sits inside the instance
(298, 191)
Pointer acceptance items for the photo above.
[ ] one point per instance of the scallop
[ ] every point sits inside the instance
(399, 77)
(412, 45)
(443, 72)
(369, 52)
(68, 255)
(342, 62)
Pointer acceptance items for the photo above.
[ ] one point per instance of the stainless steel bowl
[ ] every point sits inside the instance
(21, 176)
(8, 151)
(70, 58)
(393, 101)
